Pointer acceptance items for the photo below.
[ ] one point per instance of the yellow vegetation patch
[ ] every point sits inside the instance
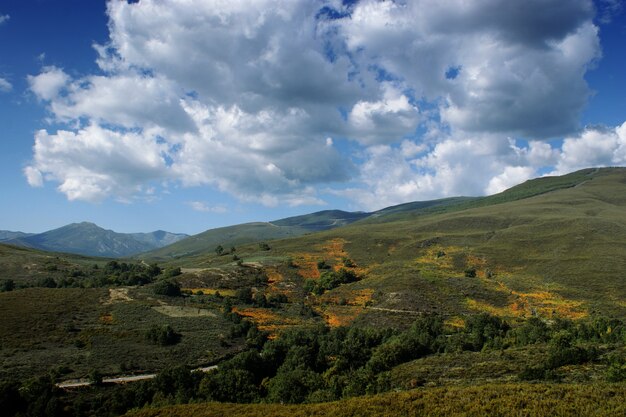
(541, 303)
(334, 248)
(106, 319)
(439, 256)
(273, 276)
(336, 316)
(307, 265)
(351, 298)
(548, 304)
(491, 309)
(210, 291)
(455, 322)
(267, 320)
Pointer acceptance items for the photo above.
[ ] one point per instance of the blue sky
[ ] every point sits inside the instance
(186, 116)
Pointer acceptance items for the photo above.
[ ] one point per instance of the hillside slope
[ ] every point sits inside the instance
(206, 242)
(559, 251)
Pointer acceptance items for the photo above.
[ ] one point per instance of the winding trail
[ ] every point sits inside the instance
(78, 383)
(391, 310)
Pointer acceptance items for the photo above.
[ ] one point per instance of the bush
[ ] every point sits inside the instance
(163, 335)
(470, 272)
(7, 285)
(167, 288)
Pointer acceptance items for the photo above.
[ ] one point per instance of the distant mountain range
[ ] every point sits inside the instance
(89, 239)
(6, 235)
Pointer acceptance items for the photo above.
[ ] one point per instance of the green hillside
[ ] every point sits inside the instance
(27, 265)
(206, 242)
(563, 243)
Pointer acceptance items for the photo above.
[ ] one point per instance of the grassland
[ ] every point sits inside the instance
(486, 400)
(74, 331)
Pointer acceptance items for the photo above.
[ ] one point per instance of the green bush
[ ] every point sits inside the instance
(162, 335)
(167, 288)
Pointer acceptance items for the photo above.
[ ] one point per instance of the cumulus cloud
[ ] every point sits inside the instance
(94, 163)
(49, 83)
(519, 66)
(261, 99)
(594, 147)
(385, 120)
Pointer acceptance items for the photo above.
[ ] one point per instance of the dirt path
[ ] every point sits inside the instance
(391, 310)
(77, 383)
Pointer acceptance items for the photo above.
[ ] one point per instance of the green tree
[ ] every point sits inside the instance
(167, 288)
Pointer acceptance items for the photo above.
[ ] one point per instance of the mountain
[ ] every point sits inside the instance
(159, 238)
(322, 220)
(8, 235)
(88, 239)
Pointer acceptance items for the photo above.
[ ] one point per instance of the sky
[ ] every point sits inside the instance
(186, 115)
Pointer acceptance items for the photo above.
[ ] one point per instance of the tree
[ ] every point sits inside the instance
(219, 250)
(162, 335)
(7, 285)
(168, 288)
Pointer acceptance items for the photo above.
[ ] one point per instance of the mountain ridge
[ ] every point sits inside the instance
(89, 239)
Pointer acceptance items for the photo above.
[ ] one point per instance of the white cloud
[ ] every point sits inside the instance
(594, 147)
(49, 83)
(95, 163)
(4, 18)
(258, 98)
(5, 86)
(33, 176)
(206, 208)
(385, 120)
(510, 177)
(517, 73)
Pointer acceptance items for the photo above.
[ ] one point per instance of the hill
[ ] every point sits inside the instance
(90, 240)
(548, 245)
(247, 233)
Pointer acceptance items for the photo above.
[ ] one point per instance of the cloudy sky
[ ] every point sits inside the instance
(186, 115)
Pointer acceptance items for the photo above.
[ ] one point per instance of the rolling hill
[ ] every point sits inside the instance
(88, 239)
(550, 245)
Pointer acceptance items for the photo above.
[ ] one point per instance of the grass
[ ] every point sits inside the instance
(24, 265)
(79, 330)
(512, 399)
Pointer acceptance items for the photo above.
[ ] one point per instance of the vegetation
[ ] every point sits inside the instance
(519, 294)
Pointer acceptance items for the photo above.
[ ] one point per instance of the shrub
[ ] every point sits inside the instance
(167, 288)
(7, 285)
(162, 335)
